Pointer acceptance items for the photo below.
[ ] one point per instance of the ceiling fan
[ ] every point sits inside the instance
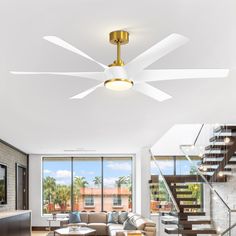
(119, 76)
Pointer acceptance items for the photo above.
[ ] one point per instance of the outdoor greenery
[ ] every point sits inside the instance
(2, 190)
(60, 194)
(159, 191)
(55, 194)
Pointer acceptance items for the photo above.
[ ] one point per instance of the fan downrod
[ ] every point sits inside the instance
(119, 37)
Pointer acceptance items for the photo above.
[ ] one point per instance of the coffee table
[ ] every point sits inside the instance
(80, 231)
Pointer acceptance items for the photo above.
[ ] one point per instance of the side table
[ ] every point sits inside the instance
(57, 219)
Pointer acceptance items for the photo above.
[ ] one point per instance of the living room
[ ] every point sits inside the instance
(117, 117)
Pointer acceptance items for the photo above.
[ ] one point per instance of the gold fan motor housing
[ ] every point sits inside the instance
(119, 36)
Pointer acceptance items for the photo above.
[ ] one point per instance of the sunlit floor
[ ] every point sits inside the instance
(39, 233)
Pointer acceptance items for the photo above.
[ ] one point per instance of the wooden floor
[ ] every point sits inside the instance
(39, 233)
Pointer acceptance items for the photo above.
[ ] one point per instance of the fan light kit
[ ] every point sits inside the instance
(120, 76)
(118, 84)
(118, 38)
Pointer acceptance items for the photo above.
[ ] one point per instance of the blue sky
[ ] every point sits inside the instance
(89, 169)
(167, 167)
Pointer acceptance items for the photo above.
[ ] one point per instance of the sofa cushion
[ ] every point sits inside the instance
(84, 217)
(123, 215)
(74, 217)
(114, 228)
(113, 217)
(100, 217)
(129, 225)
(101, 228)
(137, 220)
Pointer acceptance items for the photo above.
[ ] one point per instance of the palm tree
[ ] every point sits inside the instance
(129, 184)
(79, 182)
(97, 181)
(62, 195)
(49, 186)
(121, 180)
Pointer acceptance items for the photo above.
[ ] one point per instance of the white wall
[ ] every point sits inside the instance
(142, 177)
(141, 189)
(35, 194)
(181, 134)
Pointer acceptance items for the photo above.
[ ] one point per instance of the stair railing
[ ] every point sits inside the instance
(167, 188)
(229, 230)
(183, 149)
(165, 183)
(202, 176)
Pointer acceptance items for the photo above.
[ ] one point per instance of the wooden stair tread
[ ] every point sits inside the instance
(169, 221)
(190, 206)
(183, 179)
(180, 186)
(218, 138)
(222, 128)
(184, 192)
(215, 155)
(190, 231)
(216, 147)
(195, 222)
(188, 213)
(186, 199)
(213, 170)
(185, 222)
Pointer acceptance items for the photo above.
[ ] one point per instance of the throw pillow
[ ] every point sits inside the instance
(123, 217)
(129, 225)
(113, 217)
(74, 217)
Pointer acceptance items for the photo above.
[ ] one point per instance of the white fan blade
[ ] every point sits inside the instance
(86, 92)
(91, 75)
(62, 43)
(173, 74)
(154, 53)
(151, 91)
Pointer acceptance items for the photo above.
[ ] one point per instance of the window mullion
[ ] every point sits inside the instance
(102, 196)
(72, 184)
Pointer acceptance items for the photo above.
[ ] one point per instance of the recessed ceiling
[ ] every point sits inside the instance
(36, 114)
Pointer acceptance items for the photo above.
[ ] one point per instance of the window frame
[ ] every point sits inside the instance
(117, 197)
(91, 199)
(131, 157)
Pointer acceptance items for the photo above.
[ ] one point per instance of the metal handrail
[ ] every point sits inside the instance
(196, 167)
(207, 182)
(228, 230)
(199, 132)
(166, 185)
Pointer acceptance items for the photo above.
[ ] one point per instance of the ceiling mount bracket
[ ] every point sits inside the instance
(119, 38)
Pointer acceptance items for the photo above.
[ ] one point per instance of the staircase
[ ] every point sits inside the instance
(220, 156)
(188, 207)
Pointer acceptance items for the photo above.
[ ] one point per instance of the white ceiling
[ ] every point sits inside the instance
(35, 112)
